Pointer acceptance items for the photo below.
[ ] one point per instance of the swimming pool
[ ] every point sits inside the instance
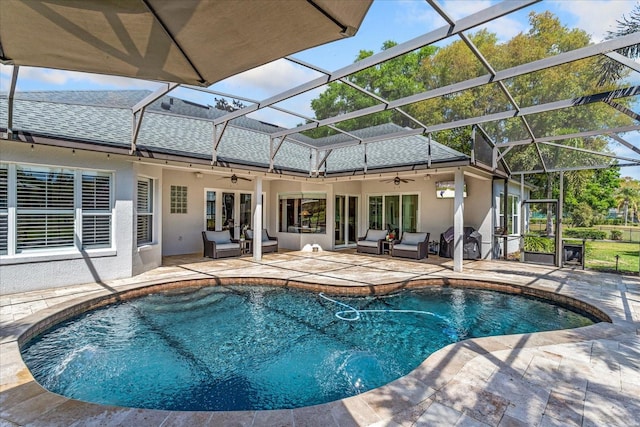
(213, 348)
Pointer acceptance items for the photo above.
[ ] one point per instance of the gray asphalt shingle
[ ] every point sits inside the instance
(174, 125)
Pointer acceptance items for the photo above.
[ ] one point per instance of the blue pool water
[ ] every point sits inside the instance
(242, 347)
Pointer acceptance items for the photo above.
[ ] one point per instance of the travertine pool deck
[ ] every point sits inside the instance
(588, 376)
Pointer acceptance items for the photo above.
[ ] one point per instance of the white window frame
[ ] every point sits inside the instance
(147, 211)
(100, 212)
(514, 201)
(12, 212)
(4, 210)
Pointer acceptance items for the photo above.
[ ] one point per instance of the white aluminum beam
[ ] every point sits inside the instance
(10, 97)
(563, 58)
(596, 132)
(138, 111)
(471, 21)
(624, 60)
(625, 143)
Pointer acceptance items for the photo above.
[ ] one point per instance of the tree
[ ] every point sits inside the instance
(612, 71)
(628, 197)
(597, 193)
(426, 70)
(390, 80)
(582, 215)
(223, 104)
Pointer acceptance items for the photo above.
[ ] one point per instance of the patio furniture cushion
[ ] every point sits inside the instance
(219, 237)
(225, 246)
(413, 238)
(269, 243)
(375, 235)
(265, 237)
(403, 247)
(368, 243)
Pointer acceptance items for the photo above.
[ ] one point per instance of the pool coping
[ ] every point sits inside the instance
(402, 401)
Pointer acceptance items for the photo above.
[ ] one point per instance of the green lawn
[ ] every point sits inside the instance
(629, 233)
(602, 256)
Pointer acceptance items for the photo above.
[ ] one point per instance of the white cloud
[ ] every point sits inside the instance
(596, 17)
(461, 8)
(32, 78)
(416, 13)
(269, 79)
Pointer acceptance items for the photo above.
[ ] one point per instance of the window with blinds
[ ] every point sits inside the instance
(45, 208)
(145, 211)
(48, 208)
(4, 211)
(96, 210)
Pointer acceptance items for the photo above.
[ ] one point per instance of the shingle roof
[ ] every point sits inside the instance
(174, 125)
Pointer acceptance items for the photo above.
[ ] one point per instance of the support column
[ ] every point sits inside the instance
(559, 221)
(458, 221)
(257, 219)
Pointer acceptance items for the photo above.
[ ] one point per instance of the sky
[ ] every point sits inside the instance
(397, 20)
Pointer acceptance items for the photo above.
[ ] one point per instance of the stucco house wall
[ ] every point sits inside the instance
(49, 268)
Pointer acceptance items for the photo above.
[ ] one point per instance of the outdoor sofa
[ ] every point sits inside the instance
(219, 244)
(371, 242)
(269, 243)
(412, 245)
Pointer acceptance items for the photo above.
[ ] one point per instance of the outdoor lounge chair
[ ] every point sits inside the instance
(371, 242)
(269, 243)
(412, 245)
(219, 244)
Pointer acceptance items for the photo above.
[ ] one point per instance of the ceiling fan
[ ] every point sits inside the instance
(397, 180)
(234, 178)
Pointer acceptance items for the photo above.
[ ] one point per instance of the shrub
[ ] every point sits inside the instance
(616, 234)
(585, 233)
(582, 215)
(539, 244)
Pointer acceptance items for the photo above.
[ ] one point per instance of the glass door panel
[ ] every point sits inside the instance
(346, 217)
(392, 213)
(211, 210)
(228, 205)
(410, 212)
(352, 220)
(375, 213)
(340, 217)
(245, 212)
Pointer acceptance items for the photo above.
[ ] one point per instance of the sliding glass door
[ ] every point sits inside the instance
(394, 212)
(346, 217)
(232, 208)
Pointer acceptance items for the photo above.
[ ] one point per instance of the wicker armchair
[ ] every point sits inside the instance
(412, 245)
(371, 242)
(219, 244)
(269, 243)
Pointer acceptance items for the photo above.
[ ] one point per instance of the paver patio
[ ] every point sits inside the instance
(588, 376)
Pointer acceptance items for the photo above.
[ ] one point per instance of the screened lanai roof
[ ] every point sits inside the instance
(157, 122)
